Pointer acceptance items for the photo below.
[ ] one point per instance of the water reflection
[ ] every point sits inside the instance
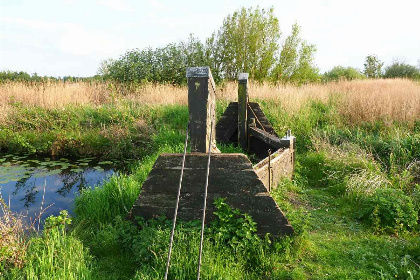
(24, 180)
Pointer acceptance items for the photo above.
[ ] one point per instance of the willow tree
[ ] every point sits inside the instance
(295, 62)
(247, 41)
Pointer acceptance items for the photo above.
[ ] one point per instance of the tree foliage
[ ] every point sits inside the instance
(162, 65)
(342, 73)
(248, 41)
(295, 62)
(373, 66)
(402, 70)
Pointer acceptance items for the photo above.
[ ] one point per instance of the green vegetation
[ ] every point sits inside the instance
(342, 73)
(354, 200)
(108, 131)
(373, 66)
(248, 41)
(373, 69)
(25, 77)
(402, 70)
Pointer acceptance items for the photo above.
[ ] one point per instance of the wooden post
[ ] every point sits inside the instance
(242, 110)
(202, 105)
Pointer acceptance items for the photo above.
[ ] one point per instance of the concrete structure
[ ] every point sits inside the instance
(231, 176)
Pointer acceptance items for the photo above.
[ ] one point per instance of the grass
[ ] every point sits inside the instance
(354, 200)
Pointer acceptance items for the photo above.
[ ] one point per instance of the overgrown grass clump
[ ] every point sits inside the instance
(55, 254)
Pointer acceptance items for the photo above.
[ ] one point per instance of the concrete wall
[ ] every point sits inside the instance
(281, 166)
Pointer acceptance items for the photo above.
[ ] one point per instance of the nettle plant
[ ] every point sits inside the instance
(233, 227)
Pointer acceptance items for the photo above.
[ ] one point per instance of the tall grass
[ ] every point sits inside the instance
(359, 101)
(13, 242)
(102, 204)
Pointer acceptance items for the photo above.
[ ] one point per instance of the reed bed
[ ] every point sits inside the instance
(51, 94)
(357, 101)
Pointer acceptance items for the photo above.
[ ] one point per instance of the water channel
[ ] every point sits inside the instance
(29, 184)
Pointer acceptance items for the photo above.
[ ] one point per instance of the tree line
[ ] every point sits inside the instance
(373, 69)
(249, 40)
(21, 76)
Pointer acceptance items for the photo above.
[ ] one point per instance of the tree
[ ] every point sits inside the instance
(373, 66)
(295, 61)
(402, 70)
(160, 65)
(247, 41)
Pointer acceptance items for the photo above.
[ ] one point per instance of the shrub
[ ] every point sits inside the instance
(342, 73)
(389, 209)
(233, 227)
(402, 70)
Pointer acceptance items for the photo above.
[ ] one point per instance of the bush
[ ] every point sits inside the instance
(342, 73)
(389, 209)
(402, 70)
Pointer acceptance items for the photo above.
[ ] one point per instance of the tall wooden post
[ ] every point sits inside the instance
(202, 105)
(242, 110)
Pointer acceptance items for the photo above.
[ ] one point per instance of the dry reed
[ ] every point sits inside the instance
(385, 100)
(53, 94)
(13, 242)
(358, 101)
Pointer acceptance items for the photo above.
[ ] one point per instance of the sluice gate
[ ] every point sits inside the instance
(231, 176)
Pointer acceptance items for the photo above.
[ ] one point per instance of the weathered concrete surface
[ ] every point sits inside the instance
(231, 176)
(281, 166)
(227, 125)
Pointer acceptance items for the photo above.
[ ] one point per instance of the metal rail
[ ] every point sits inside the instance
(205, 203)
(176, 206)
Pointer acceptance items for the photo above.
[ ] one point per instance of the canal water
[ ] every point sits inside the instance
(29, 184)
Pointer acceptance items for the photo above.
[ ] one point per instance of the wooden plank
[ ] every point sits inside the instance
(270, 139)
(193, 181)
(281, 166)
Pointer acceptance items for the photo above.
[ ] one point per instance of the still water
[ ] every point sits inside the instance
(28, 183)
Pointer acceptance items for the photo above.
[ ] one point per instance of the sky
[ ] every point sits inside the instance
(72, 37)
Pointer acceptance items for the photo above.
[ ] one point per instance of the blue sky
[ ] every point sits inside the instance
(72, 37)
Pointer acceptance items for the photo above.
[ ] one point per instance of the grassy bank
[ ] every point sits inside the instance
(354, 201)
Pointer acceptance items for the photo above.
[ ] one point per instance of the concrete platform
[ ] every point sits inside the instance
(231, 176)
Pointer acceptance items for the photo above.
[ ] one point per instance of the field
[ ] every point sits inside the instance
(354, 200)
